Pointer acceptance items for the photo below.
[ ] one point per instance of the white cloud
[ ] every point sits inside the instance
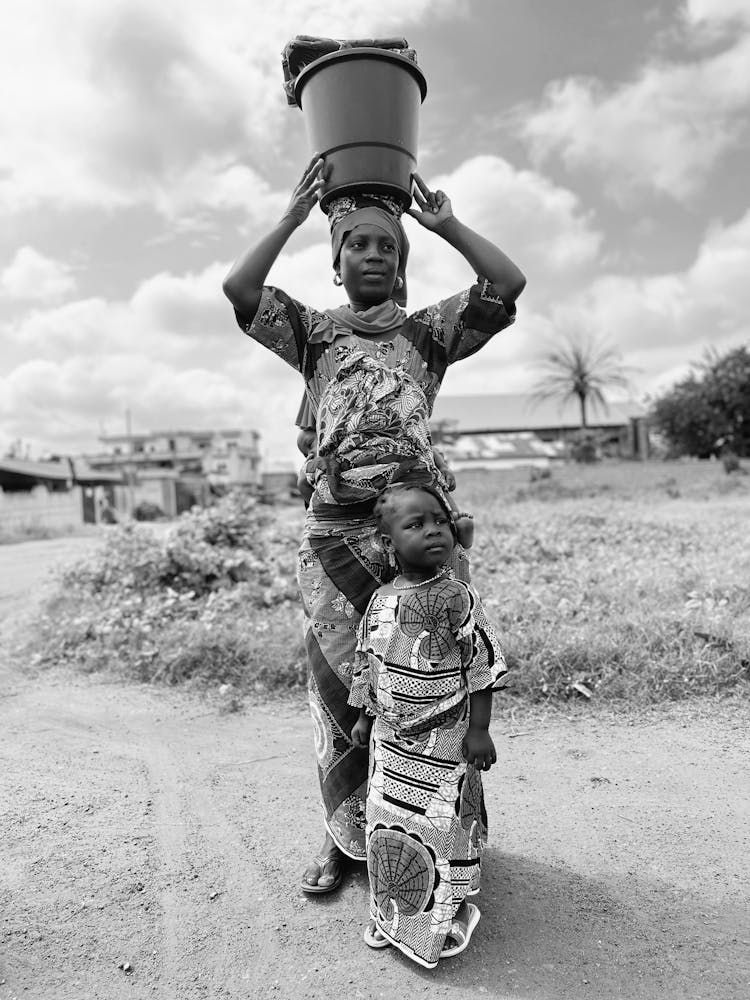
(664, 131)
(83, 397)
(663, 322)
(175, 323)
(539, 224)
(172, 353)
(31, 275)
(716, 14)
(127, 103)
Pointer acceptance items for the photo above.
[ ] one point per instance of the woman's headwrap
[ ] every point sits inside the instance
(345, 214)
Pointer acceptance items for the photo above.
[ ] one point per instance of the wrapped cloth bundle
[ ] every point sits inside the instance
(305, 49)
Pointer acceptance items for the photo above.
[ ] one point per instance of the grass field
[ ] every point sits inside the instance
(620, 581)
(627, 580)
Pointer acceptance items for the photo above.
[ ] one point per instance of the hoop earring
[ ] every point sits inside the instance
(399, 284)
(337, 280)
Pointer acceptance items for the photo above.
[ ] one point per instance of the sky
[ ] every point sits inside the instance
(602, 144)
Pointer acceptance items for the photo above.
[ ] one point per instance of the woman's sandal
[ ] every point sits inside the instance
(374, 938)
(461, 931)
(329, 866)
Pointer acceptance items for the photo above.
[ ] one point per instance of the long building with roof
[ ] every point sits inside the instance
(507, 429)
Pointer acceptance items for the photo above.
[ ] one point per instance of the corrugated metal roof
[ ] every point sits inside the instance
(507, 412)
(85, 474)
(59, 471)
(175, 432)
(499, 447)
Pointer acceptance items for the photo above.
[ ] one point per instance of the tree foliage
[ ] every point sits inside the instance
(581, 370)
(708, 412)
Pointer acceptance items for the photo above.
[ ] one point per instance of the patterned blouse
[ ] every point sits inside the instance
(371, 397)
(420, 654)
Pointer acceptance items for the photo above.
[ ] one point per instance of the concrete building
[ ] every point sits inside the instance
(176, 469)
(55, 494)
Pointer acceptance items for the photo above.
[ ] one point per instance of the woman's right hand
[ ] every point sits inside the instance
(306, 193)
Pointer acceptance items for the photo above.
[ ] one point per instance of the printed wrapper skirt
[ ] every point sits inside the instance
(426, 829)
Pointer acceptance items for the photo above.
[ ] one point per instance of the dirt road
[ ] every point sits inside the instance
(152, 847)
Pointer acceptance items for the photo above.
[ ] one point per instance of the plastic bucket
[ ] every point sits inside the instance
(361, 110)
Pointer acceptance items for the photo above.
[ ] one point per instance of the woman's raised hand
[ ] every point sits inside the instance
(307, 191)
(434, 206)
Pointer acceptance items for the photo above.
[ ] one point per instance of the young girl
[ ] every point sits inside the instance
(427, 663)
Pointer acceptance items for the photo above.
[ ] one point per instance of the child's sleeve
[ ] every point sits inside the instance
(482, 656)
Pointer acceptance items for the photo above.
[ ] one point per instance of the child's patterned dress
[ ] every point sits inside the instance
(420, 655)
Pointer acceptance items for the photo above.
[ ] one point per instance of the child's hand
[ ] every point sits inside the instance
(360, 734)
(444, 469)
(305, 194)
(464, 524)
(435, 206)
(478, 748)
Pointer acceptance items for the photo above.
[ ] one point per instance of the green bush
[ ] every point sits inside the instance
(147, 511)
(195, 606)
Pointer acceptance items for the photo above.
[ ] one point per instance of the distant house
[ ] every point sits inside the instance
(279, 480)
(177, 469)
(233, 459)
(513, 429)
(55, 494)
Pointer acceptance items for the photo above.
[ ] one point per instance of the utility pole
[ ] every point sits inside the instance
(130, 467)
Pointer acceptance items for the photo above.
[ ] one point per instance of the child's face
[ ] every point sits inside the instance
(306, 441)
(419, 528)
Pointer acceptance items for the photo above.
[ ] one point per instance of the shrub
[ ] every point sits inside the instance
(584, 447)
(147, 511)
(195, 606)
(708, 411)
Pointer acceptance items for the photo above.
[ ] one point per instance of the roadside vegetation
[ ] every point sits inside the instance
(34, 531)
(620, 581)
(213, 603)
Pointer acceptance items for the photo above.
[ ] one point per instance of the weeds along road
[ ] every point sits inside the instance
(151, 846)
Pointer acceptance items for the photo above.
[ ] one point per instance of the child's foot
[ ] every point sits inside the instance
(373, 936)
(466, 919)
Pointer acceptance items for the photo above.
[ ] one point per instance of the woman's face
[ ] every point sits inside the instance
(368, 263)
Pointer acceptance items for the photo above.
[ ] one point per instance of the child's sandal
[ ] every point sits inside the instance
(374, 938)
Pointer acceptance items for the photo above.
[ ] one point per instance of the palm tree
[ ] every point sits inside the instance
(582, 370)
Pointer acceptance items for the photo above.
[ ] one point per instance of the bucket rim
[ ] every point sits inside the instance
(359, 53)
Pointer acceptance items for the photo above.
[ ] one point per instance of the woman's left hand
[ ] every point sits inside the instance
(434, 206)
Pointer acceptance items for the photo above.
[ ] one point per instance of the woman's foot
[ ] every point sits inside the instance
(458, 937)
(325, 872)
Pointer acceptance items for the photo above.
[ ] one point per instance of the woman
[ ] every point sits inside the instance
(371, 376)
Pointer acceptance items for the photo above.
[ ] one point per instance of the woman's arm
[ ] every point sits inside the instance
(243, 285)
(436, 214)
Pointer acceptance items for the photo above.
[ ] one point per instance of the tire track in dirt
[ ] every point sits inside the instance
(217, 939)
